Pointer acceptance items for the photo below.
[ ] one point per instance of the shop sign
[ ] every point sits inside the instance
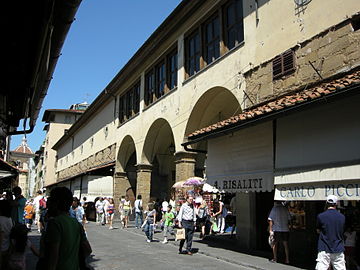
(318, 192)
(244, 183)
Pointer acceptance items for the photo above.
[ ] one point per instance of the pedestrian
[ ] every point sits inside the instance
(127, 211)
(29, 214)
(138, 206)
(168, 220)
(121, 210)
(164, 206)
(202, 214)
(38, 210)
(19, 245)
(350, 248)
(106, 204)
(65, 242)
(187, 219)
(220, 216)
(84, 205)
(279, 220)
(77, 211)
(111, 211)
(18, 205)
(330, 226)
(149, 223)
(99, 205)
(5, 229)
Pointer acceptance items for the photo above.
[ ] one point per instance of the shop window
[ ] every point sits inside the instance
(212, 40)
(233, 24)
(297, 213)
(283, 64)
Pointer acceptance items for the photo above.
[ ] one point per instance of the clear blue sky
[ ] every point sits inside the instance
(104, 36)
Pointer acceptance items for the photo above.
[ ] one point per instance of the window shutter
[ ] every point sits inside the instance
(283, 64)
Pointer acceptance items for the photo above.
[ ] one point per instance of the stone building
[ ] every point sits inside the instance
(209, 64)
(58, 122)
(23, 158)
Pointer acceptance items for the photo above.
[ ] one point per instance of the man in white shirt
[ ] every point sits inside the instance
(138, 212)
(279, 219)
(187, 219)
(99, 205)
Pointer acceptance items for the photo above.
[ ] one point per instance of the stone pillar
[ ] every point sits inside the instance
(185, 165)
(121, 184)
(143, 182)
(245, 220)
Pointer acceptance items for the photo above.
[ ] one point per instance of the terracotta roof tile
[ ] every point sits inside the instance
(280, 103)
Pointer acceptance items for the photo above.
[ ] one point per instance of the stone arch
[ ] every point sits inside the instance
(159, 151)
(216, 104)
(126, 149)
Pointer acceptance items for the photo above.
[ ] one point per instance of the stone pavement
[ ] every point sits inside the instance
(127, 249)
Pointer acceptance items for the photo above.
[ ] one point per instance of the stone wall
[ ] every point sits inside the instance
(333, 51)
(102, 157)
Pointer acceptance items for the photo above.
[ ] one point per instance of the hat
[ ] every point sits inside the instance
(331, 199)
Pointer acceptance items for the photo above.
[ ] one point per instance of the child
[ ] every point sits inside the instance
(19, 243)
(149, 223)
(168, 223)
(29, 214)
(5, 229)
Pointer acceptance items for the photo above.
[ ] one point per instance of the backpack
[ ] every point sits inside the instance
(42, 204)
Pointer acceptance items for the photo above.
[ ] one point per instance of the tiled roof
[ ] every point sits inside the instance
(23, 147)
(280, 103)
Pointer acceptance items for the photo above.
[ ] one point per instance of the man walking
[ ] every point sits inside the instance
(187, 219)
(279, 220)
(138, 212)
(330, 226)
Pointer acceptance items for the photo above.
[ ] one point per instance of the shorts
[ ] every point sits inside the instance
(202, 221)
(281, 236)
(126, 212)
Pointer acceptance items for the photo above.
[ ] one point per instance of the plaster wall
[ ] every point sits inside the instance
(280, 26)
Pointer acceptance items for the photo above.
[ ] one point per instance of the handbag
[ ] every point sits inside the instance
(180, 234)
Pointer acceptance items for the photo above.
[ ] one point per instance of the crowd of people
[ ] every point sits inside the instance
(59, 218)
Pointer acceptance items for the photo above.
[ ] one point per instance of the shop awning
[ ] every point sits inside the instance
(243, 161)
(316, 185)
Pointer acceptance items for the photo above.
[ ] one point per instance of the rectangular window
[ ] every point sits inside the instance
(233, 24)
(149, 88)
(122, 109)
(212, 40)
(160, 79)
(193, 53)
(129, 104)
(136, 98)
(172, 70)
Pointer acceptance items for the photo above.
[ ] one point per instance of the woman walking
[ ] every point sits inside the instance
(150, 222)
(127, 210)
(110, 211)
(202, 214)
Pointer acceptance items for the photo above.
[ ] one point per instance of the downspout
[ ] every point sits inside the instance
(193, 150)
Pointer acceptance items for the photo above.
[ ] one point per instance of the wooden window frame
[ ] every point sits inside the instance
(170, 72)
(238, 25)
(212, 43)
(197, 57)
(129, 103)
(160, 79)
(149, 89)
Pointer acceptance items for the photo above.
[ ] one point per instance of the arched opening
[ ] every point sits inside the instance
(159, 152)
(215, 105)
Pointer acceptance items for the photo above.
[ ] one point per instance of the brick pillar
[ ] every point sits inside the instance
(185, 165)
(143, 182)
(121, 184)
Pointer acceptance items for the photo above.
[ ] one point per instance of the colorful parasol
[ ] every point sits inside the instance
(194, 181)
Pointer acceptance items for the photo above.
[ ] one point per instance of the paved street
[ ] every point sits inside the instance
(127, 249)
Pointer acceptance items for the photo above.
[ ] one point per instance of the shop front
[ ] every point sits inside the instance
(318, 154)
(241, 164)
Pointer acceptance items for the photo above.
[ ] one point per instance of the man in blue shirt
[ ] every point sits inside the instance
(330, 226)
